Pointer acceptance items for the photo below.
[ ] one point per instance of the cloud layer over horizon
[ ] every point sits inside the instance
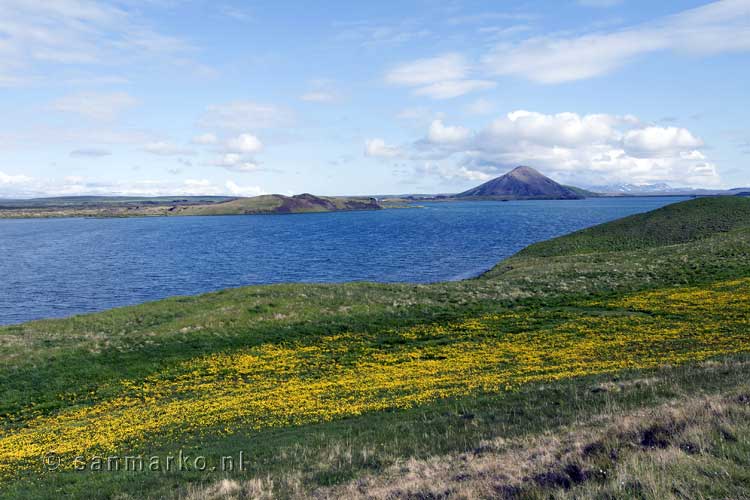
(125, 97)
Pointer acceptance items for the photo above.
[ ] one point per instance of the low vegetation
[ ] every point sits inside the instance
(163, 207)
(582, 367)
(669, 225)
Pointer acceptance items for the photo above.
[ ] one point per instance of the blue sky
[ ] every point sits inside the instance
(159, 97)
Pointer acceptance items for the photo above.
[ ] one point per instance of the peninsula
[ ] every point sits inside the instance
(102, 206)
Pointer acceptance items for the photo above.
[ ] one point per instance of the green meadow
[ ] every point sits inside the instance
(609, 363)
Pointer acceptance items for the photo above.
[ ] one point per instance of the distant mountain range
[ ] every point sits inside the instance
(661, 189)
(626, 188)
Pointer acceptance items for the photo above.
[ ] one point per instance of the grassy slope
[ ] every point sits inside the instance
(670, 225)
(153, 207)
(79, 361)
(273, 203)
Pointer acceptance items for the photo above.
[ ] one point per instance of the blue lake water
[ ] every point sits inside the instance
(60, 267)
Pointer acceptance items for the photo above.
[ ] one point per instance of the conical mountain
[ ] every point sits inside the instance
(522, 183)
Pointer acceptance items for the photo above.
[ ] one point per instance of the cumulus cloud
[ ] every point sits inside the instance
(237, 153)
(236, 190)
(721, 26)
(579, 149)
(441, 77)
(96, 106)
(442, 134)
(235, 162)
(562, 129)
(660, 140)
(377, 148)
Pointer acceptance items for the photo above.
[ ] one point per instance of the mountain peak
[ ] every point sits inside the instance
(525, 168)
(524, 171)
(521, 183)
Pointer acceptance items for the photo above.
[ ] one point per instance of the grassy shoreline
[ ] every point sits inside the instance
(551, 317)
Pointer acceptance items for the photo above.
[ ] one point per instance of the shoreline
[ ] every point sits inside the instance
(470, 276)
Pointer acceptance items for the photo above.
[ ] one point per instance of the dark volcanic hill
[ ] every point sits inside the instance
(522, 183)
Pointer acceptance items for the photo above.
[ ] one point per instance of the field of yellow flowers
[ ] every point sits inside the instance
(329, 377)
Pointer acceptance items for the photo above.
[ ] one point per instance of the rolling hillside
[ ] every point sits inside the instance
(168, 206)
(619, 373)
(670, 225)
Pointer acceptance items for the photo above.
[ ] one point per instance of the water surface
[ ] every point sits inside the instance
(61, 267)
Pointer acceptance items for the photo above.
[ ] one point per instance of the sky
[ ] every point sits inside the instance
(241, 98)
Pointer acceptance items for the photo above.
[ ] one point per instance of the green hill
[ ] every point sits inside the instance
(280, 204)
(678, 223)
(95, 206)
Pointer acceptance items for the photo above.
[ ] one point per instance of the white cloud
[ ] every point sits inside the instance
(96, 106)
(249, 191)
(73, 32)
(205, 139)
(577, 149)
(377, 148)
(165, 148)
(9, 180)
(451, 89)
(664, 140)
(245, 115)
(722, 26)
(427, 71)
(442, 77)
(562, 129)
(447, 172)
(23, 186)
(441, 134)
(244, 144)
(236, 162)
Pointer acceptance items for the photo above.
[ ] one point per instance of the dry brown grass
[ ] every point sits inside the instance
(639, 451)
(648, 453)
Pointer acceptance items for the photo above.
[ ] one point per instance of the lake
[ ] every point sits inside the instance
(61, 267)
